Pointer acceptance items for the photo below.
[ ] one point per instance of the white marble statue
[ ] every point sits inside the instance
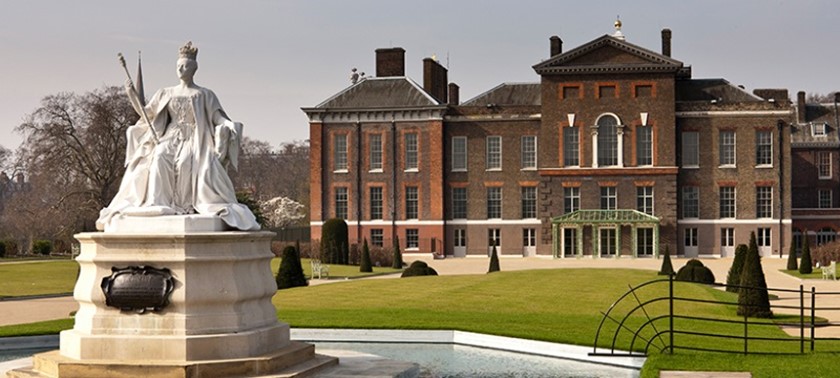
(175, 163)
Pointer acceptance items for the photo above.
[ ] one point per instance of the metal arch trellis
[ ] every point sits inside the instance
(662, 338)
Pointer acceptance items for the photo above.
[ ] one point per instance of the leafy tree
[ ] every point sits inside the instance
(398, 262)
(334, 240)
(494, 261)
(365, 266)
(288, 274)
(248, 200)
(695, 271)
(419, 268)
(753, 299)
(733, 278)
(791, 262)
(667, 269)
(806, 265)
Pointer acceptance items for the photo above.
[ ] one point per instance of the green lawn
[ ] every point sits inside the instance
(553, 305)
(35, 278)
(337, 271)
(815, 275)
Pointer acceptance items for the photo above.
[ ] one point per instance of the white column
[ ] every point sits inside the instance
(619, 130)
(594, 147)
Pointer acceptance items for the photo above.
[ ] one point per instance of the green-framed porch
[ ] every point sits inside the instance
(597, 220)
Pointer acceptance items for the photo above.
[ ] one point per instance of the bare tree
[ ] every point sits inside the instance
(819, 98)
(74, 153)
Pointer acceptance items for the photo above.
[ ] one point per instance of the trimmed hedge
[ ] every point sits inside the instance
(42, 247)
(290, 273)
(753, 299)
(791, 261)
(334, 242)
(494, 261)
(419, 268)
(667, 269)
(365, 266)
(806, 265)
(398, 261)
(695, 271)
(733, 278)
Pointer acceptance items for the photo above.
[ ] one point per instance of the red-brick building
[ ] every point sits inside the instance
(616, 151)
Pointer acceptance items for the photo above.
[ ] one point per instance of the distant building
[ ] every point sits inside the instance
(617, 150)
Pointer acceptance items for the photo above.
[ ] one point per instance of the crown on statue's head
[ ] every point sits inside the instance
(188, 51)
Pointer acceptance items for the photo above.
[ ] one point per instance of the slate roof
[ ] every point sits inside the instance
(570, 62)
(712, 89)
(508, 94)
(816, 115)
(380, 92)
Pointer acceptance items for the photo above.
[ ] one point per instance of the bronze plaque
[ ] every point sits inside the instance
(138, 288)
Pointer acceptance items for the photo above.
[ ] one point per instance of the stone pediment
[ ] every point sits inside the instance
(607, 55)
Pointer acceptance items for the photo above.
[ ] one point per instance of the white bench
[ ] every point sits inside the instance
(830, 271)
(319, 270)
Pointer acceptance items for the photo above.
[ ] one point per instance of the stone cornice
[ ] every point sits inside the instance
(318, 115)
(612, 171)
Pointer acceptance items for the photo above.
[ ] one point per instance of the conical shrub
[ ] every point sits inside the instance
(398, 262)
(791, 261)
(288, 274)
(733, 278)
(806, 265)
(667, 269)
(753, 299)
(494, 261)
(365, 266)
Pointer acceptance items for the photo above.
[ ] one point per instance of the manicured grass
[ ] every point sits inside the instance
(336, 271)
(815, 275)
(35, 278)
(50, 327)
(819, 365)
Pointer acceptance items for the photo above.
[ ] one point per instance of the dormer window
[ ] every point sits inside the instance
(819, 129)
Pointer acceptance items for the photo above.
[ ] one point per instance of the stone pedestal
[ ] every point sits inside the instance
(219, 322)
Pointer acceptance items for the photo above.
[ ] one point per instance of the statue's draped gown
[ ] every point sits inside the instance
(182, 173)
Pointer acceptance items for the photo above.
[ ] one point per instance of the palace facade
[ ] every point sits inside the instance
(616, 151)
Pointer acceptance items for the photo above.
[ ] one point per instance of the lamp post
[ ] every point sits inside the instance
(780, 125)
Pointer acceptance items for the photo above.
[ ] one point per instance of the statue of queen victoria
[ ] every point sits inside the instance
(177, 154)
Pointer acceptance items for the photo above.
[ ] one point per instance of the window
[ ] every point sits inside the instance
(690, 237)
(341, 202)
(607, 141)
(643, 91)
(818, 129)
(412, 238)
(763, 237)
(608, 242)
(690, 149)
(607, 91)
(375, 141)
(644, 145)
(727, 202)
(726, 144)
(494, 237)
(494, 153)
(797, 241)
(608, 198)
(376, 237)
(411, 151)
(459, 154)
(825, 200)
(764, 202)
(571, 92)
(529, 237)
(763, 148)
(529, 202)
(459, 203)
(644, 199)
(494, 203)
(571, 200)
(375, 202)
(644, 241)
(460, 237)
(340, 145)
(569, 241)
(411, 202)
(529, 152)
(824, 164)
(690, 202)
(826, 235)
(727, 237)
(571, 147)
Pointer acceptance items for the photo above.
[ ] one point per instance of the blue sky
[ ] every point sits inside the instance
(267, 59)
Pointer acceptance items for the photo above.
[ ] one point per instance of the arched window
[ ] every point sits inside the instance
(607, 140)
(825, 235)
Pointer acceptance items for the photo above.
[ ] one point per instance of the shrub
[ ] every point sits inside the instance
(791, 262)
(11, 247)
(419, 268)
(2, 249)
(42, 247)
(289, 274)
(365, 266)
(806, 265)
(667, 269)
(397, 262)
(733, 278)
(826, 253)
(246, 199)
(494, 261)
(753, 299)
(333, 241)
(695, 271)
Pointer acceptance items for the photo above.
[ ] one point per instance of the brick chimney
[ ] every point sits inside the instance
(434, 79)
(800, 107)
(454, 98)
(556, 45)
(390, 62)
(666, 42)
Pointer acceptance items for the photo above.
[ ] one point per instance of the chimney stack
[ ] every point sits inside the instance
(556, 45)
(434, 79)
(800, 107)
(454, 98)
(390, 62)
(666, 42)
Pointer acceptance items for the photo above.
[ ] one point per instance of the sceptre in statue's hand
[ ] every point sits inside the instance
(134, 99)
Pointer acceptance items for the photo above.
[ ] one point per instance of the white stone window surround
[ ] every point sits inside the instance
(619, 149)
